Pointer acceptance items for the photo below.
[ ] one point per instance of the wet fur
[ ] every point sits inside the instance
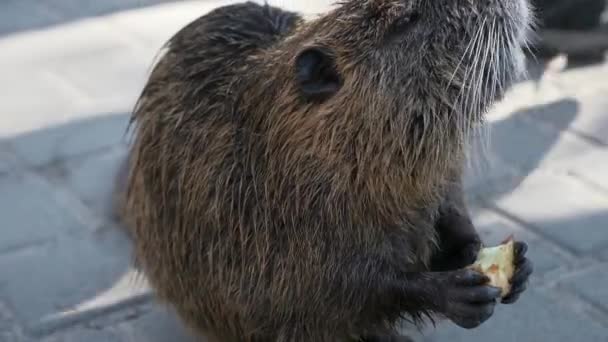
(263, 216)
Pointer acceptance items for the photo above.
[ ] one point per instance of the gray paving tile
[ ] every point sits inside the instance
(591, 285)
(118, 73)
(18, 15)
(528, 146)
(484, 169)
(31, 213)
(493, 229)
(71, 139)
(591, 119)
(160, 325)
(562, 209)
(85, 334)
(591, 166)
(68, 280)
(535, 317)
(585, 80)
(93, 179)
(7, 160)
(48, 47)
(84, 8)
(31, 100)
(6, 319)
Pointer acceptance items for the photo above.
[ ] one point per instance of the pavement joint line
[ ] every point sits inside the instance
(140, 42)
(16, 327)
(34, 244)
(594, 310)
(67, 199)
(589, 183)
(108, 23)
(70, 88)
(567, 251)
(576, 263)
(126, 314)
(584, 267)
(561, 171)
(549, 127)
(50, 326)
(76, 157)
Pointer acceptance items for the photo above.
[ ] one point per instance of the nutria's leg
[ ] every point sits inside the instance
(459, 241)
(463, 296)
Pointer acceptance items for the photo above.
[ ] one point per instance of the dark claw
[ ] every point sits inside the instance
(510, 299)
(514, 295)
(524, 270)
(520, 251)
(481, 295)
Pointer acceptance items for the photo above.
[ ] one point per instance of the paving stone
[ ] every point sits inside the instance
(18, 15)
(160, 325)
(157, 24)
(31, 213)
(6, 319)
(42, 48)
(106, 75)
(7, 336)
(493, 229)
(7, 160)
(74, 138)
(93, 179)
(584, 80)
(31, 100)
(592, 166)
(591, 119)
(562, 209)
(83, 334)
(591, 285)
(84, 8)
(535, 317)
(69, 280)
(483, 172)
(528, 146)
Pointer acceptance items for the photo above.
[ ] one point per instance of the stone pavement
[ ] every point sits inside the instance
(71, 70)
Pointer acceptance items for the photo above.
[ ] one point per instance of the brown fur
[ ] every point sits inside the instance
(262, 216)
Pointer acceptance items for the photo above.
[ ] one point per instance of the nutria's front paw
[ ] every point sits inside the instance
(523, 270)
(455, 256)
(468, 301)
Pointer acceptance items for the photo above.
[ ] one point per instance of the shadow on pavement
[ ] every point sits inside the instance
(25, 15)
(516, 148)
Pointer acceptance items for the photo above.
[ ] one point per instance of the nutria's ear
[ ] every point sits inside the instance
(316, 73)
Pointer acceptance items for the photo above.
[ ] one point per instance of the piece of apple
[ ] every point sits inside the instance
(497, 264)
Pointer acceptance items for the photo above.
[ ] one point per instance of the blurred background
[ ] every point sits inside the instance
(71, 70)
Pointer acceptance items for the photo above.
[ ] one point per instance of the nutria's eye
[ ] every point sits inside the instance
(316, 74)
(403, 24)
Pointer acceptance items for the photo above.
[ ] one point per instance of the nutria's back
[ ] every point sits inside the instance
(279, 167)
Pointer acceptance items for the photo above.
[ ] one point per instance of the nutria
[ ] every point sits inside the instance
(296, 180)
